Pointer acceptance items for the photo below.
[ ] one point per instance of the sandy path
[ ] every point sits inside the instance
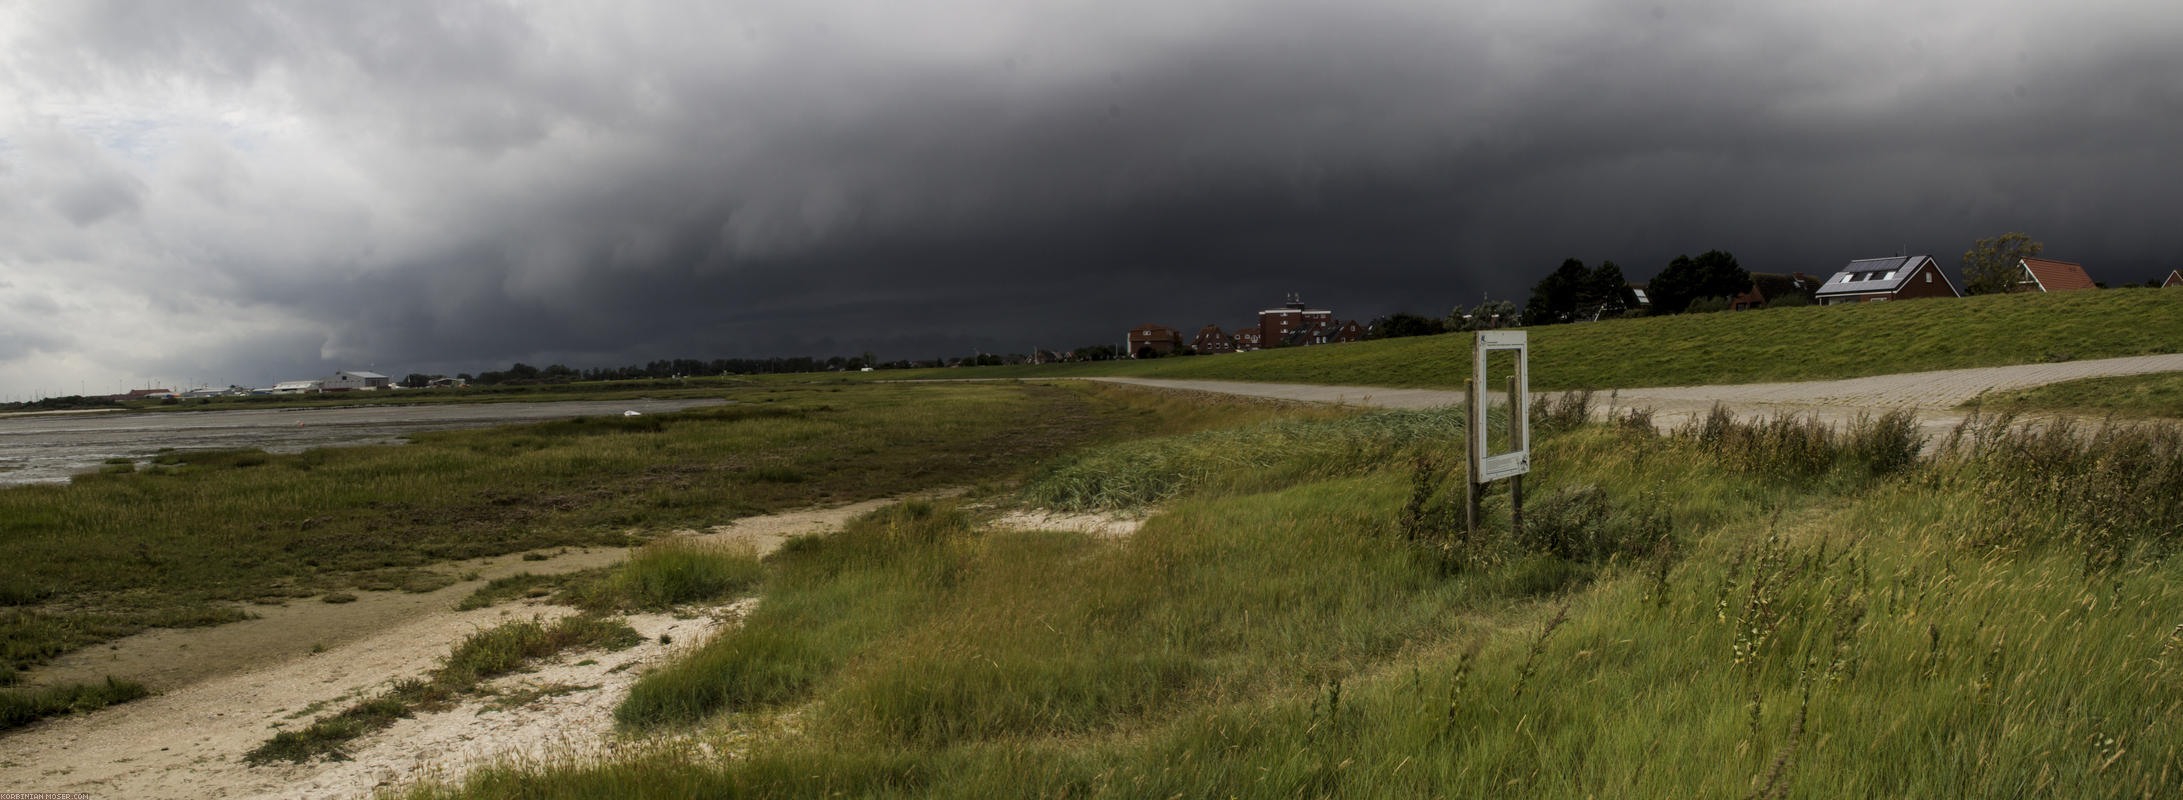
(218, 699)
(1932, 395)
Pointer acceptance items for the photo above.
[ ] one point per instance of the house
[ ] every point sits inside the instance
(1347, 331)
(2175, 279)
(345, 380)
(1247, 339)
(1279, 324)
(298, 387)
(2048, 275)
(1211, 340)
(1633, 302)
(1770, 288)
(1871, 280)
(1151, 341)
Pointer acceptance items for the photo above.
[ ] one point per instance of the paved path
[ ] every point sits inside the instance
(1933, 395)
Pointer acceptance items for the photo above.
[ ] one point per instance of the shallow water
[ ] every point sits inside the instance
(47, 448)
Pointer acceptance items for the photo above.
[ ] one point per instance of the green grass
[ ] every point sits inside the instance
(182, 544)
(669, 573)
(2155, 395)
(484, 655)
(19, 707)
(1750, 608)
(1783, 344)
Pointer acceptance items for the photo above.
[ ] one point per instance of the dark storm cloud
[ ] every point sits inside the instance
(480, 184)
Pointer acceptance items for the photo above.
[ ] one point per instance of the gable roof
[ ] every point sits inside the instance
(2175, 278)
(2057, 276)
(1868, 275)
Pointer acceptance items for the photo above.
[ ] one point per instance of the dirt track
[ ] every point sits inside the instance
(1933, 395)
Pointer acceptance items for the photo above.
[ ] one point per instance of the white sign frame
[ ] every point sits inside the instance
(1485, 466)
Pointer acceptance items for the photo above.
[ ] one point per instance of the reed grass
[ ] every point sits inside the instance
(1827, 615)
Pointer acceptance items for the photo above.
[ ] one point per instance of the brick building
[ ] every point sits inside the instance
(1151, 340)
(1869, 280)
(1278, 325)
(1211, 340)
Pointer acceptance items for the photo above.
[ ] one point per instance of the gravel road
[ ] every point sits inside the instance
(1933, 395)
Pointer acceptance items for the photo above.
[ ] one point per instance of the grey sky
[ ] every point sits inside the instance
(253, 191)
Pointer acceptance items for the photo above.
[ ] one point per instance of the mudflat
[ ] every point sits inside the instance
(48, 448)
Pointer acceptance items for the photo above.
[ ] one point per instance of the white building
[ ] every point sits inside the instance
(297, 387)
(345, 380)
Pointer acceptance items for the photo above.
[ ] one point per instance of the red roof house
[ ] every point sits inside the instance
(2048, 275)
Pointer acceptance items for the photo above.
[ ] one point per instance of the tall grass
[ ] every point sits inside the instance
(671, 572)
(1791, 446)
(2110, 491)
(1769, 610)
(1246, 458)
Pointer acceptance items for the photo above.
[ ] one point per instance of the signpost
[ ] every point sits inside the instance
(1498, 426)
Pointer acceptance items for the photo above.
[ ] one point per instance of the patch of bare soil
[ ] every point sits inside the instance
(563, 710)
(1109, 525)
(170, 658)
(765, 534)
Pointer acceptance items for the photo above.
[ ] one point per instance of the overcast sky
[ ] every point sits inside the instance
(248, 192)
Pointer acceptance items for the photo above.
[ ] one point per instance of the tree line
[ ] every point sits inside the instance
(1574, 292)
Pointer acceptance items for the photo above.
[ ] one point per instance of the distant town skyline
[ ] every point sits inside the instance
(252, 193)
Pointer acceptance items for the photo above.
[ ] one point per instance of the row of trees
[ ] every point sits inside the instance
(1573, 291)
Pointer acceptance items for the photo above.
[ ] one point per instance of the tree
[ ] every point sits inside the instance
(1989, 267)
(1603, 288)
(1555, 297)
(1403, 323)
(1487, 316)
(1713, 273)
(417, 380)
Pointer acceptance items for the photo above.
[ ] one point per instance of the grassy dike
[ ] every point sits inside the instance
(198, 538)
(1746, 609)
(1783, 344)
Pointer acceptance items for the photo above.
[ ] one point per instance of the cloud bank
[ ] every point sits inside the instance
(241, 192)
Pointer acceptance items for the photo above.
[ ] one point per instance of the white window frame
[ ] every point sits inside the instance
(1484, 466)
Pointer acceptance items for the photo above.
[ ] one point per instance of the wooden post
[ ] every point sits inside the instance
(1515, 482)
(1471, 432)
